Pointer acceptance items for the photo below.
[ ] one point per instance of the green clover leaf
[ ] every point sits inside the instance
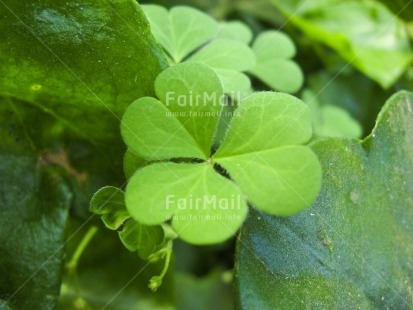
(226, 54)
(262, 152)
(181, 30)
(273, 51)
(185, 92)
(235, 30)
(204, 206)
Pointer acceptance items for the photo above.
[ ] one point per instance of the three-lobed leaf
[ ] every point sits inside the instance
(262, 152)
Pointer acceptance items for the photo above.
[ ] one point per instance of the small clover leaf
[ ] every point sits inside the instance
(109, 203)
(261, 151)
(144, 239)
(152, 242)
(273, 51)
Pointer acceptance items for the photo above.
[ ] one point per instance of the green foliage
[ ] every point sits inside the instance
(401, 8)
(381, 50)
(109, 202)
(350, 249)
(225, 47)
(69, 70)
(263, 136)
(164, 191)
(110, 277)
(153, 134)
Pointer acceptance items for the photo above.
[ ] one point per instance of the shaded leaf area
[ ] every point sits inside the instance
(364, 33)
(353, 247)
(360, 96)
(211, 291)
(34, 205)
(330, 120)
(402, 8)
(81, 62)
(110, 277)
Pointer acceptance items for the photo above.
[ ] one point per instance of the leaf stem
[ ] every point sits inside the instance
(72, 264)
(156, 281)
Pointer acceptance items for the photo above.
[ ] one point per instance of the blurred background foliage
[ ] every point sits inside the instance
(354, 55)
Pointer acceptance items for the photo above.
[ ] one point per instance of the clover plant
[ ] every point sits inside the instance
(187, 34)
(178, 180)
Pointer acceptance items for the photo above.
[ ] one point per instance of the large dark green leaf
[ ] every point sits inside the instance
(353, 249)
(34, 204)
(81, 61)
